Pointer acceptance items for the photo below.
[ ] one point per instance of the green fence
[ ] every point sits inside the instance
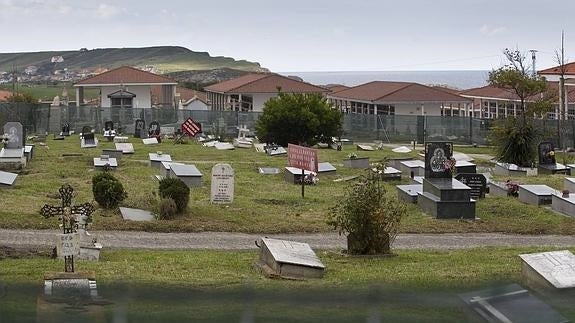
(40, 118)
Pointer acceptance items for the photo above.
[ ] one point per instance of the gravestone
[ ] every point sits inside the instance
(109, 131)
(222, 188)
(409, 193)
(157, 158)
(108, 125)
(126, 148)
(105, 162)
(242, 141)
(293, 175)
(113, 153)
(569, 184)
(154, 129)
(88, 141)
(547, 163)
(536, 194)
(553, 270)
(415, 167)
(444, 197)
(365, 147)
(477, 183)
(119, 139)
(65, 130)
(357, 162)
(268, 170)
(275, 150)
(224, 146)
(7, 179)
(86, 130)
(139, 127)
(326, 168)
(390, 174)
(150, 141)
(15, 134)
(189, 174)
(289, 259)
(564, 204)
(511, 303)
(136, 214)
(29, 152)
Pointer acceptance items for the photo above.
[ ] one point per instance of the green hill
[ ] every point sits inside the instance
(165, 59)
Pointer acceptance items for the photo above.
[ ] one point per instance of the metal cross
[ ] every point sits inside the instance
(68, 214)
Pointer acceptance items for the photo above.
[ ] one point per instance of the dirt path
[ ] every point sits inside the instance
(240, 241)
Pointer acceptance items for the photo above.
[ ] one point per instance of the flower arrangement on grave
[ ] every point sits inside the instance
(565, 193)
(310, 179)
(512, 188)
(4, 139)
(352, 156)
(449, 164)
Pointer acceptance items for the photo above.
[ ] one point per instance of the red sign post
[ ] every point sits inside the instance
(304, 158)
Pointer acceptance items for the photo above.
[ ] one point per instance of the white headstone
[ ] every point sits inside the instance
(222, 184)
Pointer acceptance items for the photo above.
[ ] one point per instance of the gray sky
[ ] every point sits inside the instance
(302, 35)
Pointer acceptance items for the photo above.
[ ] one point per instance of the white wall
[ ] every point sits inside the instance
(195, 105)
(260, 98)
(142, 100)
(415, 109)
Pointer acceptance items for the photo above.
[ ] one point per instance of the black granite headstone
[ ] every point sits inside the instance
(15, 134)
(66, 129)
(154, 129)
(89, 139)
(546, 153)
(437, 157)
(109, 125)
(86, 130)
(477, 183)
(139, 127)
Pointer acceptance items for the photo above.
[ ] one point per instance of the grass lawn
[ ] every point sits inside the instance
(262, 204)
(414, 286)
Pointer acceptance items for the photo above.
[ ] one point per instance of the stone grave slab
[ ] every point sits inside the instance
(156, 159)
(346, 178)
(260, 148)
(289, 259)
(497, 189)
(268, 170)
(511, 303)
(553, 270)
(415, 166)
(113, 153)
(293, 174)
(29, 152)
(88, 141)
(121, 139)
(569, 184)
(462, 157)
(101, 162)
(136, 214)
(477, 183)
(563, 204)
(417, 180)
(7, 153)
(358, 162)
(189, 174)
(126, 148)
(150, 141)
(222, 184)
(165, 169)
(409, 193)
(536, 194)
(391, 174)
(211, 144)
(505, 169)
(326, 168)
(401, 149)
(224, 146)
(556, 168)
(77, 284)
(395, 162)
(167, 131)
(365, 147)
(463, 166)
(7, 179)
(276, 151)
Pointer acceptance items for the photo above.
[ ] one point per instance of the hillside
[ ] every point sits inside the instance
(164, 59)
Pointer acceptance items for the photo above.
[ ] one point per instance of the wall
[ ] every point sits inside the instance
(259, 99)
(196, 105)
(142, 100)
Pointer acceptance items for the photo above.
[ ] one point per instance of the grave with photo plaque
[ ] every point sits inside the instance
(477, 183)
(547, 163)
(12, 154)
(554, 270)
(443, 196)
(288, 259)
(139, 128)
(222, 186)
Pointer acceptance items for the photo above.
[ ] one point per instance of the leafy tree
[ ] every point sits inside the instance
(303, 119)
(516, 140)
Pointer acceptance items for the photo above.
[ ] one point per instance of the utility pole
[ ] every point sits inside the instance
(533, 60)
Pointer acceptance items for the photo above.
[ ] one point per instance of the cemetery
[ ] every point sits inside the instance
(250, 191)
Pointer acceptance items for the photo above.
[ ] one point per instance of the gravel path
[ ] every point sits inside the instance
(241, 241)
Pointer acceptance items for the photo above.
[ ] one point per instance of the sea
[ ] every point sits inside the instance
(454, 79)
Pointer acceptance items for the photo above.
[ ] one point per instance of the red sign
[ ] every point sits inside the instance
(302, 157)
(190, 127)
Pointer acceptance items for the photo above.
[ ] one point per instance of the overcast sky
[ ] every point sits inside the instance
(302, 35)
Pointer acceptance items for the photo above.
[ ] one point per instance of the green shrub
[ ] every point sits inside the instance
(515, 141)
(107, 190)
(168, 209)
(177, 190)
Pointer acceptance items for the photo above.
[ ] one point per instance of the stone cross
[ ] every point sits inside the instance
(73, 217)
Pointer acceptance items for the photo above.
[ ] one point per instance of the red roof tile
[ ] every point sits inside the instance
(492, 92)
(4, 95)
(336, 87)
(384, 91)
(569, 70)
(264, 83)
(126, 75)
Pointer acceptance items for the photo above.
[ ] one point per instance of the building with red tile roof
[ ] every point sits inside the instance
(250, 92)
(399, 98)
(186, 99)
(129, 87)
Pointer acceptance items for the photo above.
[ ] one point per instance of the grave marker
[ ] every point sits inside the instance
(139, 127)
(189, 174)
(289, 259)
(222, 188)
(154, 129)
(437, 155)
(554, 269)
(477, 183)
(15, 134)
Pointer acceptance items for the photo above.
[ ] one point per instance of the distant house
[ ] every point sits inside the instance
(399, 98)
(186, 99)
(553, 74)
(251, 91)
(129, 87)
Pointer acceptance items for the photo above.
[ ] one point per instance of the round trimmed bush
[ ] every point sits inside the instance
(107, 190)
(177, 190)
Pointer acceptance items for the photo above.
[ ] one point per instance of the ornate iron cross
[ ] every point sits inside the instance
(68, 213)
